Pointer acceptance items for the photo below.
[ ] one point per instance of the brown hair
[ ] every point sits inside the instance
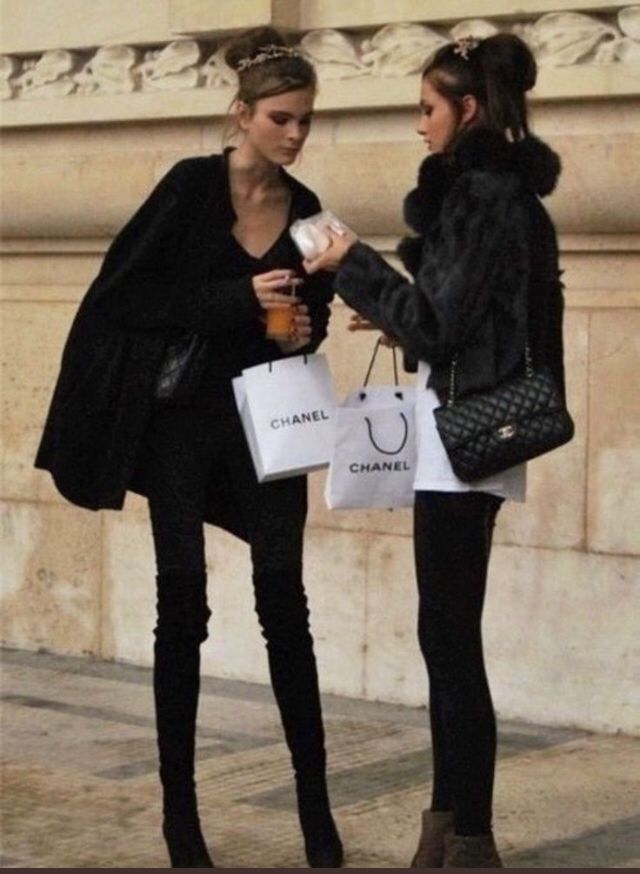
(497, 71)
(272, 76)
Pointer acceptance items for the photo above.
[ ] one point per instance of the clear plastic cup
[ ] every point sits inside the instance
(280, 318)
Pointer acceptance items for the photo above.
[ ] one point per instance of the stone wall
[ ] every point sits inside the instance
(85, 137)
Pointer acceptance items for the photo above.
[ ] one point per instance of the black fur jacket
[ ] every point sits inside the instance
(158, 280)
(485, 265)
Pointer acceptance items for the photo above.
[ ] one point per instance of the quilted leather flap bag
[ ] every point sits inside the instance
(491, 431)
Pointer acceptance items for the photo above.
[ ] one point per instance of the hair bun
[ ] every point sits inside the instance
(247, 44)
(510, 58)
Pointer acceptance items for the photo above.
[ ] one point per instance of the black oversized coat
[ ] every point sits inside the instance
(158, 279)
(485, 265)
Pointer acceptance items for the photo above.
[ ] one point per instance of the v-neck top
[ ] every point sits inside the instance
(229, 354)
(240, 262)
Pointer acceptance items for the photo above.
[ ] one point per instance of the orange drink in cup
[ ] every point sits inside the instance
(280, 318)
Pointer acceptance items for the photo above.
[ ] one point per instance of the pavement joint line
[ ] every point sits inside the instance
(523, 743)
(241, 741)
(623, 835)
(333, 705)
(387, 775)
(143, 767)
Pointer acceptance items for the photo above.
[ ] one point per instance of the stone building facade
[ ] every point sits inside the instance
(98, 101)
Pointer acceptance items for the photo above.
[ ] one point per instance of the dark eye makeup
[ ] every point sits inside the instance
(281, 120)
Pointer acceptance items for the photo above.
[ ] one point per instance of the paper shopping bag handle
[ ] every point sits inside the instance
(389, 451)
(399, 394)
(373, 361)
(271, 363)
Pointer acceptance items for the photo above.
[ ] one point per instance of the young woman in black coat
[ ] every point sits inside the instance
(486, 280)
(197, 268)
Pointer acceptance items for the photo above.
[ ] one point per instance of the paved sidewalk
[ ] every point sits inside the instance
(80, 787)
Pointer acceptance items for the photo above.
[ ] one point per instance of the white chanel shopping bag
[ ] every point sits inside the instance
(374, 452)
(287, 409)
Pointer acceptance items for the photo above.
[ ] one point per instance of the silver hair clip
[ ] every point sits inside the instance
(465, 45)
(268, 53)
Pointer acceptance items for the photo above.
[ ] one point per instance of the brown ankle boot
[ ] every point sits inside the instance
(470, 851)
(430, 852)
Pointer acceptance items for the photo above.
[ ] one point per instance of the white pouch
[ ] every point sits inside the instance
(287, 409)
(374, 452)
(310, 235)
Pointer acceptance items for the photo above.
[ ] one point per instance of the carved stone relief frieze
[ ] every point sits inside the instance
(215, 72)
(335, 55)
(628, 49)
(473, 27)
(565, 38)
(174, 67)
(46, 76)
(109, 71)
(557, 39)
(400, 49)
(8, 69)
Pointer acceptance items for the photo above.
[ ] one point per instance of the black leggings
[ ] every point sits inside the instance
(452, 538)
(182, 450)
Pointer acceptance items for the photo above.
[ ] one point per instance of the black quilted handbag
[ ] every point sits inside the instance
(493, 430)
(181, 368)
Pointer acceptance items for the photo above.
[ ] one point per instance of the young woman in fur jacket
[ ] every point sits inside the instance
(485, 267)
(197, 268)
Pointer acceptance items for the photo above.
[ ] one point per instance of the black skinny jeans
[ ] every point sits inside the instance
(452, 541)
(183, 447)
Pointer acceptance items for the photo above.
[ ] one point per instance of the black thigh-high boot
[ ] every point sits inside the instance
(281, 605)
(181, 628)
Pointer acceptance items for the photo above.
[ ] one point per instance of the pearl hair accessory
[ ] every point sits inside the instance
(268, 53)
(464, 45)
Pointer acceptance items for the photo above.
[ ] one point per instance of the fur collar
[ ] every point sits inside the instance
(479, 149)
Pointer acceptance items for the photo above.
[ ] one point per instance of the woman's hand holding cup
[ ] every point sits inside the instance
(275, 293)
(276, 288)
(300, 330)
